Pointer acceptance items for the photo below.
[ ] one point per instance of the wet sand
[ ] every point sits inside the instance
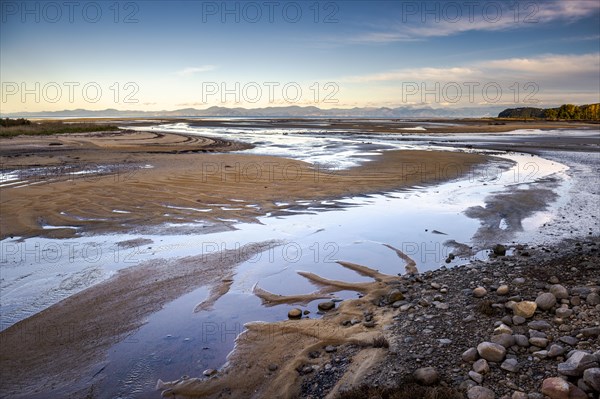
(49, 353)
(137, 188)
(182, 187)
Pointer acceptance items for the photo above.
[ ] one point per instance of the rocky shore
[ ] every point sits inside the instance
(520, 326)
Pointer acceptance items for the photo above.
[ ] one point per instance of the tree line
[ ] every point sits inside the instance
(564, 112)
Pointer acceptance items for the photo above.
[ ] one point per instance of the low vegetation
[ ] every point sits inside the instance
(17, 127)
(564, 112)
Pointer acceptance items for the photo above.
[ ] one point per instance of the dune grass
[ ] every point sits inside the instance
(12, 128)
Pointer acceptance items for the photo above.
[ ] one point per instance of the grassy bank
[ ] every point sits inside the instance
(48, 128)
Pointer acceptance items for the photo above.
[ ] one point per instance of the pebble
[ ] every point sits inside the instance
(478, 378)
(539, 342)
(540, 325)
(521, 340)
(325, 306)
(525, 309)
(481, 366)
(559, 291)
(491, 352)
(545, 301)
(518, 320)
(479, 292)
(510, 365)
(295, 313)
(593, 299)
(592, 378)
(426, 376)
(563, 313)
(506, 340)
(556, 350)
(502, 290)
(591, 332)
(330, 349)
(470, 355)
(273, 367)
(555, 387)
(479, 392)
(577, 363)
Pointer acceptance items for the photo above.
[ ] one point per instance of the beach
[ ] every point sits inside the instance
(151, 181)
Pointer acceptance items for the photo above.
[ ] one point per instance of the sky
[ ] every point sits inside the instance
(155, 55)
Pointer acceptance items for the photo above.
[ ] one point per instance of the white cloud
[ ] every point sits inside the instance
(544, 67)
(436, 21)
(194, 70)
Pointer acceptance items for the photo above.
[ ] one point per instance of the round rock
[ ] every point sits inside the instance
(295, 313)
(325, 306)
(479, 292)
(427, 376)
(545, 301)
(478, 392)
(491, 352)
(502, 290)
(559, 291)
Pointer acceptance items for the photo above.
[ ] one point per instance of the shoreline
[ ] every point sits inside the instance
(381, 172)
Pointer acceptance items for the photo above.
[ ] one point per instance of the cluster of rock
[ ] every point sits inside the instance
(520, 331)
(577, 376)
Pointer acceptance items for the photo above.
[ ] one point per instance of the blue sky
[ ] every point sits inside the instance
(157, 55)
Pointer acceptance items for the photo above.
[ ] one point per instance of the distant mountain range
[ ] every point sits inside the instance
(272, 112)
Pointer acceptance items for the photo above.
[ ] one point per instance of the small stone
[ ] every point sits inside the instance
(577, 363)
(470, 355)
(479, 292)
(556, 388)
(556, 350)
(499, 250)
(395, 295)
(326, 306)
(591, 332)
(506, 340)
(479, 392)
(369, 324)
(510, 365)
(273, 367)
(545, 301)
(519, 395)
(295, 313)
(502, 290)
(525, 309)
(481, 366)
(563, 313)
(330, 349)
(518, 320)
(539, 325)
(427, 376)
(539, 342)
(521, 340)
(593, 299)
(519, 281)
(478, 378)
(503, 329)
(571, 341)
(559, 291)
(491, 352)
(592, 378)
(436, 286)
(209, 372)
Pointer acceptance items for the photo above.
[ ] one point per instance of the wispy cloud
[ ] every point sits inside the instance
(435, 19)
(189, 71)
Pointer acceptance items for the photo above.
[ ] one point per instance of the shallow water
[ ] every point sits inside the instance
(175, 341)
